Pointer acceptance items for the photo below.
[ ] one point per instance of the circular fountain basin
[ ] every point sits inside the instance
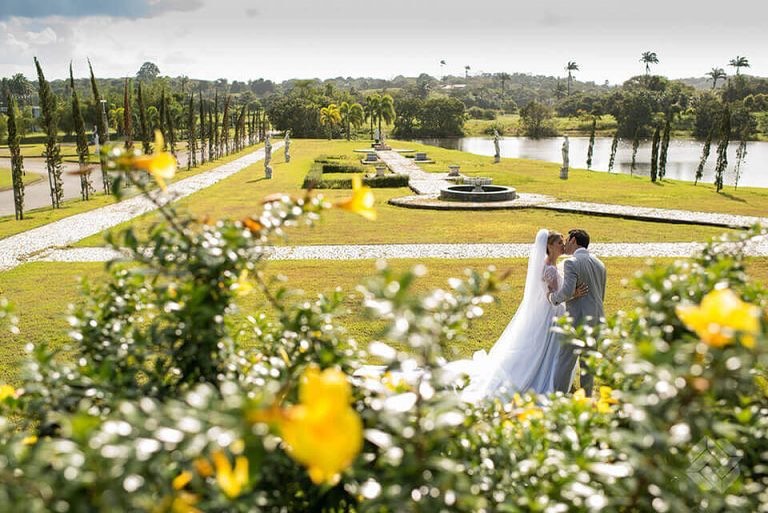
(473, 193)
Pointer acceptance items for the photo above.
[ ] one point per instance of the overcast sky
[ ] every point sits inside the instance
(250, 39)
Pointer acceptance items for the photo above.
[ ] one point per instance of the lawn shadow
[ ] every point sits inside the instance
(257, 180)
(732, 197)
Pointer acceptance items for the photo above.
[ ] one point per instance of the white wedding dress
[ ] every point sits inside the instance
(525, 356)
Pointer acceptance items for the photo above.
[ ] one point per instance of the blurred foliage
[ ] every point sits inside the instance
(163, 410)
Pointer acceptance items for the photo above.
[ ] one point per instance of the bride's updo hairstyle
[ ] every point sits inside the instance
(551, 238)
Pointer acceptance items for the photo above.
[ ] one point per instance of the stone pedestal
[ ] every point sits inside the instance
(268, 172)
(381, 170)
(453, 170)
(496, 159)
(564, 173)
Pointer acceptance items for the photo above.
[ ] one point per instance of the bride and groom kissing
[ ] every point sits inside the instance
(530, 355)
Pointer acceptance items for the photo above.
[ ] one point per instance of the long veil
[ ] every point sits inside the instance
(519, 359)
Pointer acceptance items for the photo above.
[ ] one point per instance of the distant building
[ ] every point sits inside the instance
(36, 111)
(448, 87)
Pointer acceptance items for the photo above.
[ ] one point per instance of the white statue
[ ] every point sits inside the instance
(267, 157)
(564, 169)
(287, 146)
(497, 155)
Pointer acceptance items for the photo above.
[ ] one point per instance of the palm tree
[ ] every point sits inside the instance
(385, 110)
(351, 114)
(330, 116)
(649, 58)
(442, 65)
(716, 74)
(571, 66)
(356, 115)
(504, 77)
(739, 62)
(466, 71)
(371, 108)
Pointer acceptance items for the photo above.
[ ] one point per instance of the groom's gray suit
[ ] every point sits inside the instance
(582, 267)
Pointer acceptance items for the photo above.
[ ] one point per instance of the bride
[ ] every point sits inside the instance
(525, 356)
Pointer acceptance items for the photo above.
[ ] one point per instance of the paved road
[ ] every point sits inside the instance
(38, 195)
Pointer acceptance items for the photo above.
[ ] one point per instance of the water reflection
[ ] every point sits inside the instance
(682, 160)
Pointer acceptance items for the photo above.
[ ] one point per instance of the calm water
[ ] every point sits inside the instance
(682, 158)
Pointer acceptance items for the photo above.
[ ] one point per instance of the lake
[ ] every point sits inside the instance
(682, 158)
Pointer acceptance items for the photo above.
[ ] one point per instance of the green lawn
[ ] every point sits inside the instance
(238, 196)
(38, 217)
(6, 181)
(42, 315)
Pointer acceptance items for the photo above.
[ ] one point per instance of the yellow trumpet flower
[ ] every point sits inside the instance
(160, 164)
(243, 285)
(182, 480)
(719, 316)
(323, 432)
(230, 480)
(606, 399)
(7, 391)
(362, 200)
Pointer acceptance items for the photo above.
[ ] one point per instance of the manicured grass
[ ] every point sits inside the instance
(6, 180)
(238, 196)
(39, 217)
(510, 125)
(42, 314)
(598, 187)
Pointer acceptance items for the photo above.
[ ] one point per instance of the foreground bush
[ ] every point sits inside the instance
(162, 410)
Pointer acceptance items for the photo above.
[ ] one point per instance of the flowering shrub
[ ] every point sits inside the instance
(158, 407)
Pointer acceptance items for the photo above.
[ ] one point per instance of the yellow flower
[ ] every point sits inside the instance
(243, 285)
(160, 164)
(721, 314)
(362, 200)
(29, 440)
(182, 480)
(184, 502)
(7, 391)
(606, 400)
(580, 397)
(230, 480)
(530, 412)
(323, 432)
(203, 467)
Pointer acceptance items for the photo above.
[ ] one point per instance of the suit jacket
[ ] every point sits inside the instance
(582, 267)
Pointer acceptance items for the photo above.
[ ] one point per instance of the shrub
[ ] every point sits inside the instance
(315, 179)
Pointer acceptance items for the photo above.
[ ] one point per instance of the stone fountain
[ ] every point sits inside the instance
(477, 190)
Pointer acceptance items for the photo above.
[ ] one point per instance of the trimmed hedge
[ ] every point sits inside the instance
(315, 180)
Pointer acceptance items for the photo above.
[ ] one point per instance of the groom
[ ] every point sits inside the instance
(581, 267)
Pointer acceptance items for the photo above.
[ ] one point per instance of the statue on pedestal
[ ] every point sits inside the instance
(287, 146)
(497, 154)
(564, 169)
(267, 157)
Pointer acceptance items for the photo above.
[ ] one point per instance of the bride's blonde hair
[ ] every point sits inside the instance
(552, 237)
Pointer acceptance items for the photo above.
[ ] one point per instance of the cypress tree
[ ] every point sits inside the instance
(17, 160)
(664, 147)
(211, 137)
(722, 148)
(86, 187)
(146, 145)
(202, 129)
(170, 128)
(161, 112)
(591, 148)
(635, 146)
(216, 134)
(251, 123)
(127, 115)
(241, 124)
(225, 126)
(655, 154)
(52, 149)
(191, 148)
(614, 147)
(101, 127)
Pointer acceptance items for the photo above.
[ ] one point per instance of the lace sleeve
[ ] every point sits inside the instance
(551, 278)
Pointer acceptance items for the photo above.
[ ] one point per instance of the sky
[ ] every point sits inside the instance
(250, 39)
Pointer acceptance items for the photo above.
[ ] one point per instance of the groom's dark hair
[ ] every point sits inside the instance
(582, 237)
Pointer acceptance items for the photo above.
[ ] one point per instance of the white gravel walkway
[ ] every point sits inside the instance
(20, 248)
(757, 247)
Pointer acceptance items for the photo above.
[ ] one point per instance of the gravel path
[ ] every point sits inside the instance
(757, 247)
(20, 248)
